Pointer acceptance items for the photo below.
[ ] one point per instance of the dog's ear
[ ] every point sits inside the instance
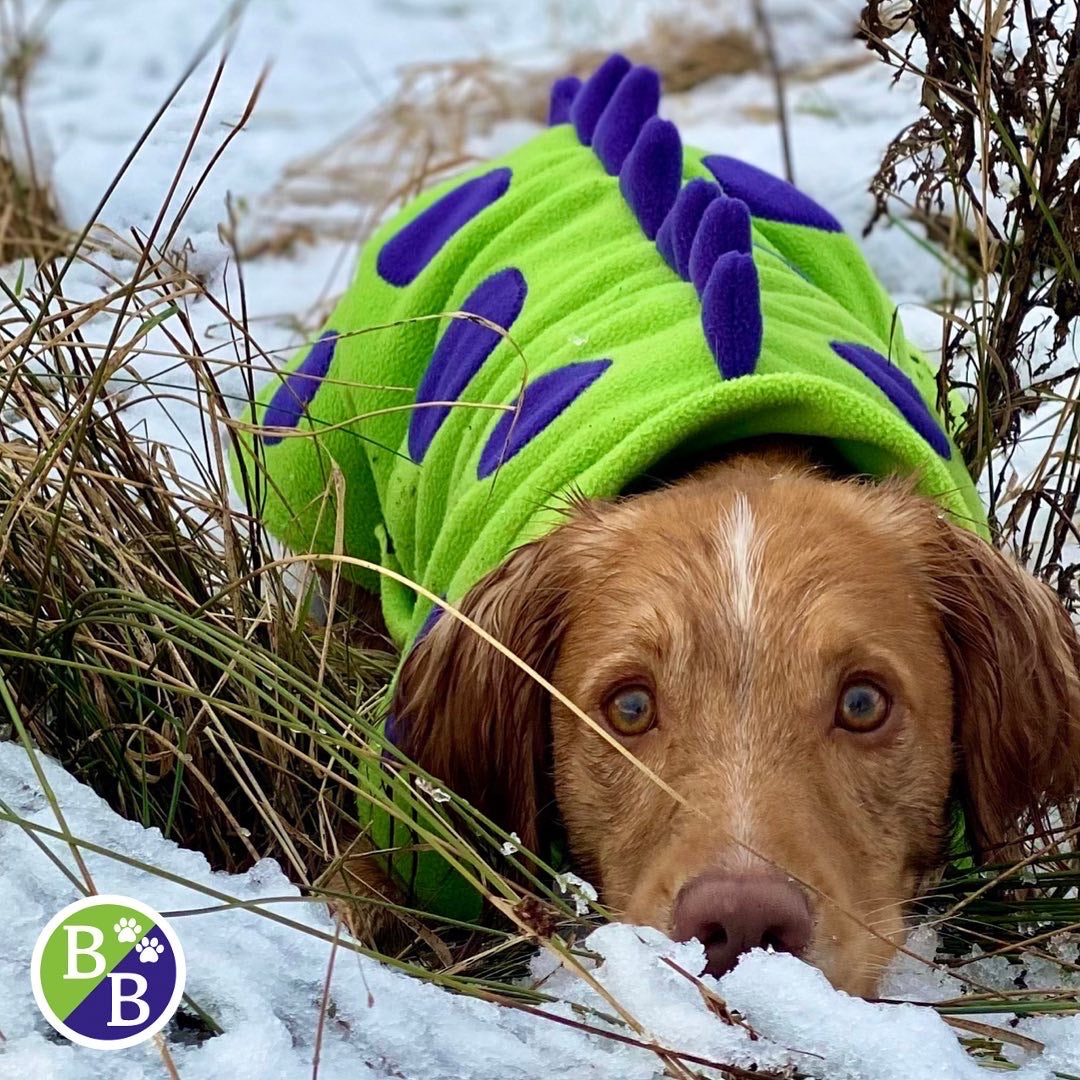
(470, 716)
(1016, 673)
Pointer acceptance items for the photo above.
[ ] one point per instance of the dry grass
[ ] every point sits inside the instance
(151, 639)
(989, 170)
(29, 224)
(425, 132)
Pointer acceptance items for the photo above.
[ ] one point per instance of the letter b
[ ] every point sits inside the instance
(142, 1010)
(74, 952)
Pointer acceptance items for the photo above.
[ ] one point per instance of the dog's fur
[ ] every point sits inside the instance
(745, 596)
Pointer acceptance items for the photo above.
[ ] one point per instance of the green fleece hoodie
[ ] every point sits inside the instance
(629, 298)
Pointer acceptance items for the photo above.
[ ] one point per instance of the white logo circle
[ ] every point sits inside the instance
(157, 952)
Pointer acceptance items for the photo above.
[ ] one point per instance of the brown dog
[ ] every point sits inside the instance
(814, 665)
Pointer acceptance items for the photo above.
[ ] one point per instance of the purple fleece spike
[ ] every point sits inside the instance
(664, 242)
(899, 389)
(461, 352)
(595, 94)
(541, 402)
(768, 196)
(652, 173)
(407, 252)
(725, 226)
(635, 100)
(731, 314)
(676, 235)
(563, 92)
(293, 396)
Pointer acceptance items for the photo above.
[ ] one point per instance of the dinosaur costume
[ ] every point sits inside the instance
(658, 299)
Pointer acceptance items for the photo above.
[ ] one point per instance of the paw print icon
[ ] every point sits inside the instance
(127, 930)
(149, 949)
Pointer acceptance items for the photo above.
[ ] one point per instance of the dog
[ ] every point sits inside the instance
(815, 666)
(792, 674)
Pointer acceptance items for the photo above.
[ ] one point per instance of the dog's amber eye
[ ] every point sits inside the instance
(862, 707)
(632, 711)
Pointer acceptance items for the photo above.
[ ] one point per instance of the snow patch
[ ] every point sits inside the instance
(262, 982)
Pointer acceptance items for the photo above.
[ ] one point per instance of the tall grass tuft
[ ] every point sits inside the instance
(990, 170)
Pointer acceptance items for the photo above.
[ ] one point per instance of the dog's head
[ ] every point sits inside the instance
(813, 667)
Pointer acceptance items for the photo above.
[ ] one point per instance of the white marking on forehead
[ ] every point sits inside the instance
(740, 549)
(740, 543)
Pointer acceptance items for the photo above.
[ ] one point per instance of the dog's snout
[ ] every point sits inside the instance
(731, 914)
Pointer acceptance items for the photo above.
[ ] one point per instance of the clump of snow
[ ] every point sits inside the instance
(582, 891)
(783, 999)
(912, 978)
(436, 794)
(262, 982)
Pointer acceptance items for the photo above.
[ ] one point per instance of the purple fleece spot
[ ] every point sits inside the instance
(407, 252)
(293, 396)
(392, 733)
(428, 624)
(725, 226)
(541, 402)
(768, 196)
(595, 94)
(676, 236)
(563, 92)
(392, 727)
(731, 314)
(651, 175)
(461, 352)
(635, 100)
(899, 389)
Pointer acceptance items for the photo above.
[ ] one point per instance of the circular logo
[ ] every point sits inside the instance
(107, 972)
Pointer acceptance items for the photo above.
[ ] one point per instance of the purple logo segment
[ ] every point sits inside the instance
(132, 996)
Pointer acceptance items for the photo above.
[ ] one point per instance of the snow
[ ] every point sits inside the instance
(263, 982)
(329, 66)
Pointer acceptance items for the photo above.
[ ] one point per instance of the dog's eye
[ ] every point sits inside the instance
(632, 711)
(862, 707)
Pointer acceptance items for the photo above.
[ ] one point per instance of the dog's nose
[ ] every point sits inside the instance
(731, 914)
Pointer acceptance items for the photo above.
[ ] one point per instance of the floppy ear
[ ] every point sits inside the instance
(1015, 659)
(472, 717)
